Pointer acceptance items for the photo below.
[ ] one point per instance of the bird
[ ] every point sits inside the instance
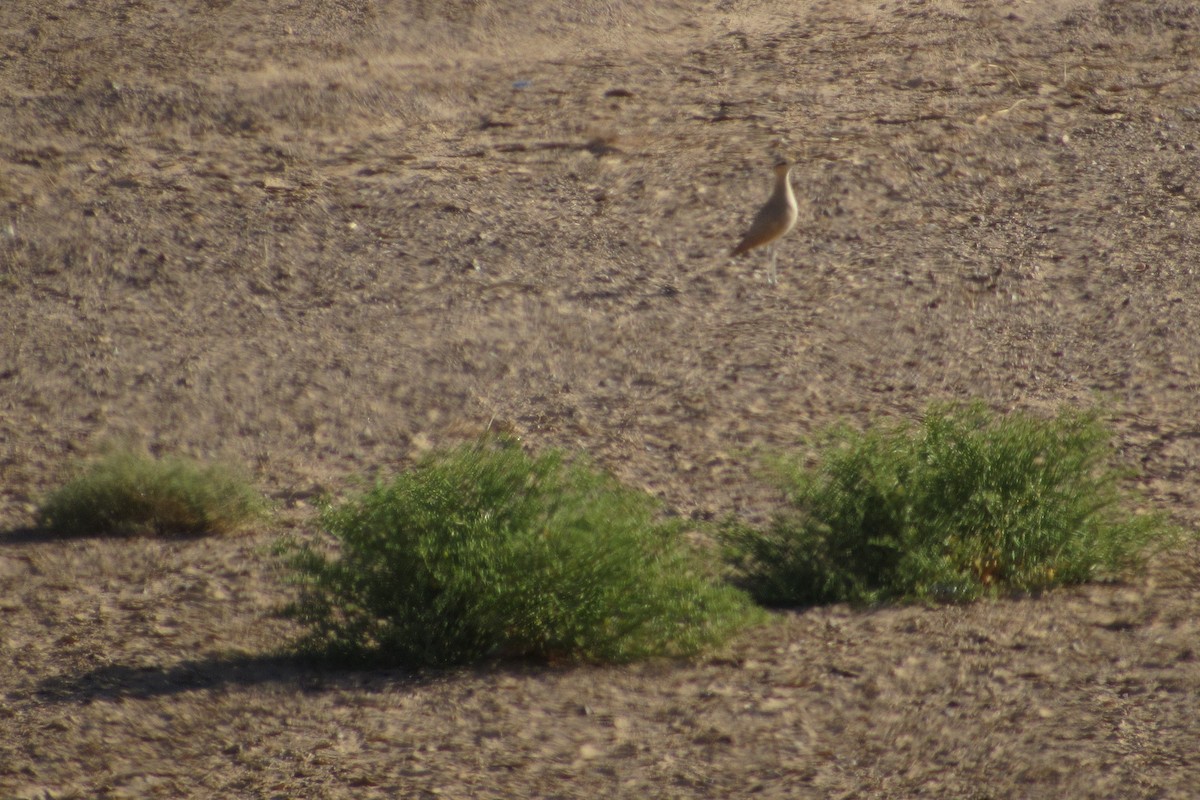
(774, 219)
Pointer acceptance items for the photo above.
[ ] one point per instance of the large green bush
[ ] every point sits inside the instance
(487, 552)
(964, 504)
(124, 492)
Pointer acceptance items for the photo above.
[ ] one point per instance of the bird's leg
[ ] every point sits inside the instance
(771, 279)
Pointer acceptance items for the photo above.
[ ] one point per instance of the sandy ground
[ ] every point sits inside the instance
(316, 239)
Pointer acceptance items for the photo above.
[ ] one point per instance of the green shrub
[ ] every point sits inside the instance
(124, 492)
(486, 552)
(966, 504)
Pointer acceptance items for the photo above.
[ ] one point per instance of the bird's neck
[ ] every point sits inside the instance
(783, 187)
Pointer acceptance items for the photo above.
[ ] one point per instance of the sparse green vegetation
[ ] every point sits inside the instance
(486, 552)
(124, 492)
(965, 504)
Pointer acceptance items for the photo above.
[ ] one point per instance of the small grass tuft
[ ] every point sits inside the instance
(124, 492)
(486, 552)
(964, 505)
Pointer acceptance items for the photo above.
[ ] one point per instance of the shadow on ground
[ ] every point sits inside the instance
(115, 681)
(304, 673)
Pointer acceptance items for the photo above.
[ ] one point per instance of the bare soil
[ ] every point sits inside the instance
(316, 239)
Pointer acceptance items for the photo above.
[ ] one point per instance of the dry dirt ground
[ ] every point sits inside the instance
(318, 238)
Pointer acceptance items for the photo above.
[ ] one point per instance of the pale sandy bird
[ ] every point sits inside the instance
(774, 219)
